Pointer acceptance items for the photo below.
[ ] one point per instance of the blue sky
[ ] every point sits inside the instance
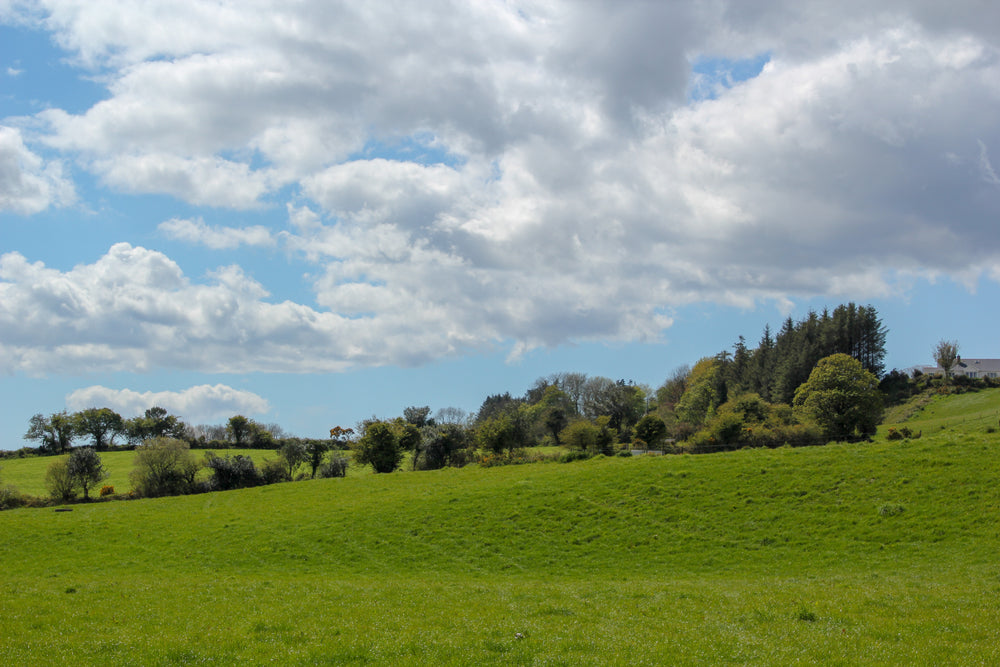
(315, 214)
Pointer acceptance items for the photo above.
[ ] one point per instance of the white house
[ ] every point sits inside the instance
(971, 368)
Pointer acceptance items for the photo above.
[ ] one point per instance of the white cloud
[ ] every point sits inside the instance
(200, 404)
(29, 184)
(582, 196)
(217, 238)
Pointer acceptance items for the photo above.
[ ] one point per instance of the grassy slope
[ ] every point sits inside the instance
(878, 553)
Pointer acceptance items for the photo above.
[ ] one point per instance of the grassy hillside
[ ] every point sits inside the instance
(879, 553)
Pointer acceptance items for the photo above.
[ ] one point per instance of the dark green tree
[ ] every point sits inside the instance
(54, 433)
(651, 430)
(315, 451)
(85, 469)
(239, 429)
(294, 454)
(379, 447)
(101, 424)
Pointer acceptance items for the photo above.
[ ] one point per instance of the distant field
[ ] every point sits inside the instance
(879, 553)
(28, 475)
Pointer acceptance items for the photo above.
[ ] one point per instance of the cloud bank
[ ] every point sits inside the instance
(520, 174)
(195, 405)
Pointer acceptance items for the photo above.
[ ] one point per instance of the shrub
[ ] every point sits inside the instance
(336, 466)
(11, 498)
(575, 455)
(236, 472)
(164, 467)
(107, 490)
(490, 459)
(59, 481)
(273, 471)
(379, 446)
(447, 445)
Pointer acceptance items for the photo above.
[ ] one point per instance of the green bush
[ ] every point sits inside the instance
(59, 481)
(163, 467)
(575, 455)
(336, 466)
(235, 472)
(273, 471)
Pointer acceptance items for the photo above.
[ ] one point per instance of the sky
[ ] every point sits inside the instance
(316, 212)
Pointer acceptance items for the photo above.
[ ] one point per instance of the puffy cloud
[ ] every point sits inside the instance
(218, 238)
(581, 195)
(200, 404)
(29, 184)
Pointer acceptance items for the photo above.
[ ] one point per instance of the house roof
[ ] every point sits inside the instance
(965, 366)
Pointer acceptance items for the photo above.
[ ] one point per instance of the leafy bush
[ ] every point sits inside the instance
(491, 459)
(902, 433)
(379, 446)
(575, 455)
(107, 490)
(446, 445)
(273, 471)
(235, 472)
(164, 467)
(11, 498)
(59, 481)
(336, 466)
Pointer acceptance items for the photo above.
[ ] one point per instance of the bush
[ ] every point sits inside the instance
(107, 490)
(273, 471)
(164, 467)
(575, 455)
(59, 481)
(379, 446)
(11, 498)
(335, 467)
(447, 445)
(228, 473)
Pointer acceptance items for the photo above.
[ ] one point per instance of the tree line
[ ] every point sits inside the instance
(818, 379)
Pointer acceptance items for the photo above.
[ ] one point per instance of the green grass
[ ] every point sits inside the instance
(881, 553)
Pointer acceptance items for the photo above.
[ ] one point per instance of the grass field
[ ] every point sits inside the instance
(882, 553)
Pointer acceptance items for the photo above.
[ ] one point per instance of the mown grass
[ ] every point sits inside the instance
(881, 553)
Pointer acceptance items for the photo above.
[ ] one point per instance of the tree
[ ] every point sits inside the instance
(842, 397)
(444, 446)
(418, 416)
(703, 393)
(58, 480)
(580, 435)
(315, 450)
(946, 355)
(101, 424)
(155, 423)
(163, 467)
(239, 429)
(294, 454)
(85, 469)
(379, 447)
(651, 430)
(54, 433)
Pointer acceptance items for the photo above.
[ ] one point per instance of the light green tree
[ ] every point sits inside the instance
(946, 355)
(841, 397)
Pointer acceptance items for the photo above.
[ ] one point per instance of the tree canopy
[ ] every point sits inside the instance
(842, 397)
